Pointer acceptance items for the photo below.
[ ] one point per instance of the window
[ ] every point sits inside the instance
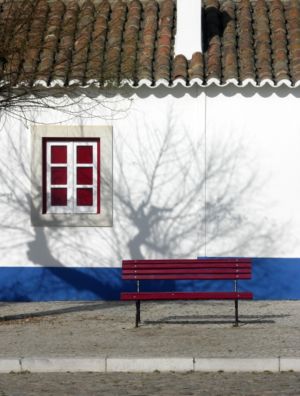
(71, 175)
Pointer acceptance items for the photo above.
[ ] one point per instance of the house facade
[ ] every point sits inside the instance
(118, 144)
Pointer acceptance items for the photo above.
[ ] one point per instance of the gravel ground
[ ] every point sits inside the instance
(268, 329)
(222, 384)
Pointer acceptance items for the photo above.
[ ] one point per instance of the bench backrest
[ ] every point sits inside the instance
(187, 269)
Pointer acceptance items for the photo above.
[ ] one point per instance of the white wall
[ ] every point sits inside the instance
(262, 130)
(158, 173)
(196, 172)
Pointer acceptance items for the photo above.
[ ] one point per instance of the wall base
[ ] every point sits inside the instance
(273, 279)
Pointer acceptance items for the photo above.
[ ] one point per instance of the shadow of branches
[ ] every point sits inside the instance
(161, 209)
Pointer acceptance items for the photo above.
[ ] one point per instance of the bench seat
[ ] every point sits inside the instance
(148, 296)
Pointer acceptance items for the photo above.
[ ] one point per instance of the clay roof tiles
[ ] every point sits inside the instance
(75, 42)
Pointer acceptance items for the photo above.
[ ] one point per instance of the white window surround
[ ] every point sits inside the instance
(71, 216)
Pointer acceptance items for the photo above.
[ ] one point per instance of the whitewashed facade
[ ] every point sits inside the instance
(196, 172)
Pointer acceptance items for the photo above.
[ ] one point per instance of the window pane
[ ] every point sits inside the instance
(58, 154)
(59, 175)
(58, 197)
(84, 175)
(84, 196)
(84, 154)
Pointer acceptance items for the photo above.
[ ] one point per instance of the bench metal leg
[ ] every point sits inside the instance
(138, 313)
(236, 305)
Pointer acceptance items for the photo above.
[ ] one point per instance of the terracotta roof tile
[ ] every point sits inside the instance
(212, 28)
(97, 46)
(112, 58)
(262, 41)
(16, 37)
(245, 41)
(293, 27)
(279, 41)
(34, 41)
(196, 68)
(229, 44)
(162, 66)
(81, 42)
(148, 40)
(63, 56)
(130, 42)
(50, 44)
(180, 68)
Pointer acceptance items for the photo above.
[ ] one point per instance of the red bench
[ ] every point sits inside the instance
(186, 269)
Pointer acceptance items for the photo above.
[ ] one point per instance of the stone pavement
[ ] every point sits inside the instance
(196, 335)
(158, 384)
(80, 336)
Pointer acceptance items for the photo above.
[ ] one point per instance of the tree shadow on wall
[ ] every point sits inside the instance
(161, 210)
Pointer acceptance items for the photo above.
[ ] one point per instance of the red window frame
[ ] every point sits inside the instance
(45, 141)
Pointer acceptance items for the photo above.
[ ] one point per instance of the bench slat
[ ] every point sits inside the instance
(138, 271)
(187, 296)
(190, 261)
(186, 276)
(186, 265)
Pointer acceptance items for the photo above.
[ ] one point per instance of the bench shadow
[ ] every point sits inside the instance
(216, 319)
(60, 311)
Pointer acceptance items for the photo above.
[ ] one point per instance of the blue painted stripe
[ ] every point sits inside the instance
(59, 283)
(273, 279)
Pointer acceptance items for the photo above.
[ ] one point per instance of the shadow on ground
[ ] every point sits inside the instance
(60, 311)
(216, 319)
